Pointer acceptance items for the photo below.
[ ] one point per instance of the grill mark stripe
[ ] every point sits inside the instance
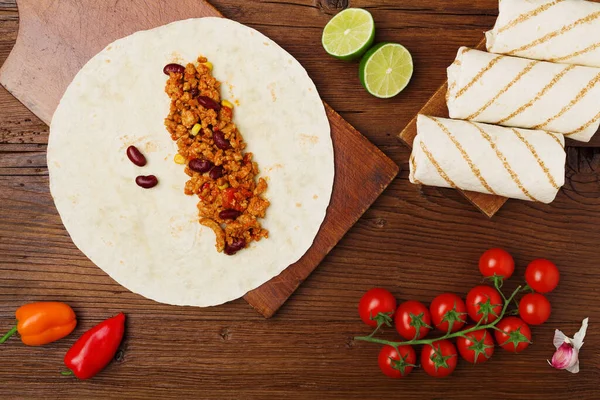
(538, 96)
(556, 139)
(525, 70)
(413, 163)
(450, 89)
(465, 156)
(528, 15)
(575, 54)
(585, 126)
(552, 35)
(505, 163)
(537, 158)
(478, 76)
(437, 166)
(572, 103)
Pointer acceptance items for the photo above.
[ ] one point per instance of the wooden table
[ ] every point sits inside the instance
(417, 243)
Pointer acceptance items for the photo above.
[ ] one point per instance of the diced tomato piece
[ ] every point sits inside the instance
(229, 198)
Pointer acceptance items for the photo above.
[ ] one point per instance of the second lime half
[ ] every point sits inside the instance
(386, 69)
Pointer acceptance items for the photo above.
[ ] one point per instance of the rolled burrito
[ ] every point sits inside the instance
(518, 163)
(563, 31)
(522, 93)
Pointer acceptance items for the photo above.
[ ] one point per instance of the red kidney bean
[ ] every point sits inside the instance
(220, 141)
(237, 245)
(216, 172)
(229, 214)
(201, 166)
(136, 156)
(146, 182)
(194, 92)
(207, 102)
(173, 68)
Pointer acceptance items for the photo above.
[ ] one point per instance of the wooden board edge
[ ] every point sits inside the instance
(291, 283)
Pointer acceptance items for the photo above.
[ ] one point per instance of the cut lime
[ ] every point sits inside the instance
(386, 69)
(349, 34)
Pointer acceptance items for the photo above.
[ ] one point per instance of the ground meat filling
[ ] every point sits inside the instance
(221, 173)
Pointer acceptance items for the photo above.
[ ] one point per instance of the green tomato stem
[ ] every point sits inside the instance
(415, 342)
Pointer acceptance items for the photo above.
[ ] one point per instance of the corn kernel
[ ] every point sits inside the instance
(179, 159)
(227, 104)
(223, 186)
(209, 65)
(196, 129)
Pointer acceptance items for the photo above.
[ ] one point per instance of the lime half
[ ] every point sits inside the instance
(386, 69)
(349, 34)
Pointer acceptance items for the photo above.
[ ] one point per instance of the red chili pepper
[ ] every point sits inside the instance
(96, 348)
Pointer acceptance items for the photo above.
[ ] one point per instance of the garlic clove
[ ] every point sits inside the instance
(565, 357)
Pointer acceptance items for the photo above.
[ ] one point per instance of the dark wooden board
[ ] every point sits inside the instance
(57, 38)
(417, 243)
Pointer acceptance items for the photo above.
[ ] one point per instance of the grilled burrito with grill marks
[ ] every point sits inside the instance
(518, 163)
(522, 93)
(562, 31)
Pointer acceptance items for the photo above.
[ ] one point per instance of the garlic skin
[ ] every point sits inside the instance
(567, 349)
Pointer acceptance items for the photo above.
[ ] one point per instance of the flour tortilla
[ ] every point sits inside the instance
(518, 163)
(150, 241)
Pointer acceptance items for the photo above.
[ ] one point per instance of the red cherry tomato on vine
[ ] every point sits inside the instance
(542, 275)
(496, 262)
(412, 320)
(448, 310)
(484, 303)
(476, 347)
(394, 364)
(534, 308)
(439, 358)
(375, 301)
(514, 335)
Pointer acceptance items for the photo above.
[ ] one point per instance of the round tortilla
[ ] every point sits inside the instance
(149, 240)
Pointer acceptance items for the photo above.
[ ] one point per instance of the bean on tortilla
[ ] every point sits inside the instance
(173, 68)
(220, 141)
(136, 156)
(235, 246)
(201, 166)
(216, 172)
(229, 214)
(146, 181)
(209, 103)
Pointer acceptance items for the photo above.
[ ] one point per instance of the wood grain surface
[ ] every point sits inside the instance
(416, 242)
(57, 38)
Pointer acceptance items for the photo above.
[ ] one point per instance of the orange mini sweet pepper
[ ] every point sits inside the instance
(42, 323)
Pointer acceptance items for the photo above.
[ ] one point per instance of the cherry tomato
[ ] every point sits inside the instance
(476, 347)
(374, 302)
(514, 334)
(439, 358)
(534, 308)
(542, 275)
(448, 311)
(412, 320)
(397, 365)
(496, 262)
(484, 303)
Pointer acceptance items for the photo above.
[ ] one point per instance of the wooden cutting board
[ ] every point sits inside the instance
(55, 40)
(436, 107)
